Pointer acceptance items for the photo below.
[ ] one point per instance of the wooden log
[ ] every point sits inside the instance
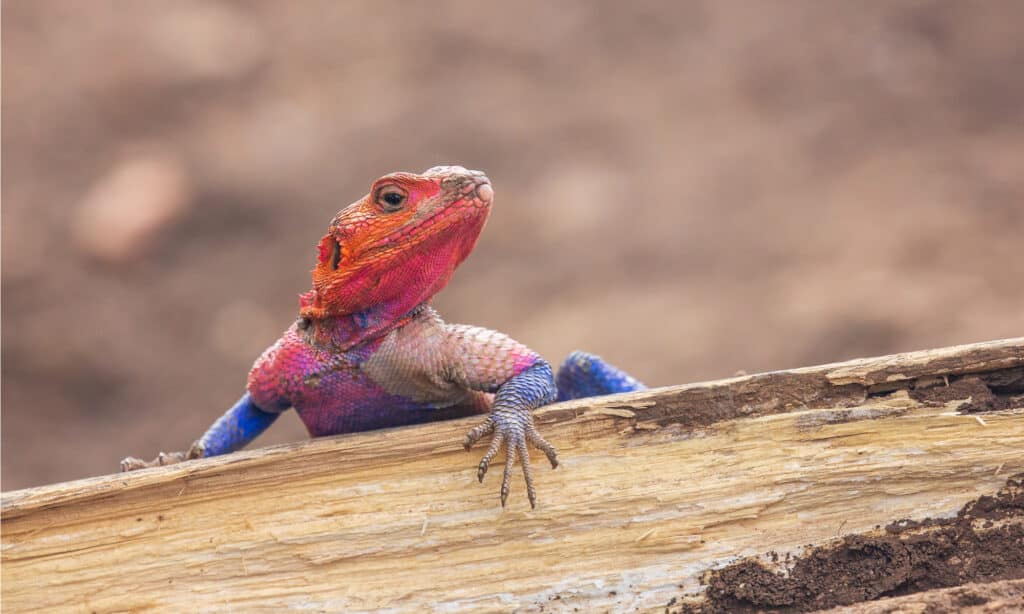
(1006, 597)
(655, 488)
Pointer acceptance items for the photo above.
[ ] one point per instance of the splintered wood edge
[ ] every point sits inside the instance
(844, 384)
(989, 597)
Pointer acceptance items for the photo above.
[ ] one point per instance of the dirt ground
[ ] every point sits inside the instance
(687, 188)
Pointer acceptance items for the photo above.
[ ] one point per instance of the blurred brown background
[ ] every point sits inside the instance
(688, 188)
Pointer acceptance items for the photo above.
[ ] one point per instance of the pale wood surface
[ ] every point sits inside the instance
(655, 488)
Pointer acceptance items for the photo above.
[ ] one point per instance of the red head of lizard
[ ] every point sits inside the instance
(397, 246)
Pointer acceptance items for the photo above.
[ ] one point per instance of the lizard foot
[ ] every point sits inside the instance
(131, 463)
(511, 429)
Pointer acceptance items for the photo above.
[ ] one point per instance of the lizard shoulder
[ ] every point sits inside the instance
(281, 370)
(486, 358)
(412, 361)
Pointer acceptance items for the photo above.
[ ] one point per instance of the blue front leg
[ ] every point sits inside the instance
(236, 428)
(511, 423)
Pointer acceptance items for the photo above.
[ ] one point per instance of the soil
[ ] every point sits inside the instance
(983, 543)
(988, 392)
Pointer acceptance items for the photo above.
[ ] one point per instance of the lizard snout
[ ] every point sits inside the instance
(465, 183)
(481, 187)
(471, 184)
(485, 192)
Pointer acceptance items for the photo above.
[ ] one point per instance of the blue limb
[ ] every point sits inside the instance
(236, 428)
(532, 388)
(511, 423)
(586, 375)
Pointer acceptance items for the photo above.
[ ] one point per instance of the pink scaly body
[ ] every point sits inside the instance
(413, 374)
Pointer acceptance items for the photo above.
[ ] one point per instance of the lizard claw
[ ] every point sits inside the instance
(131, 463)
(487, 426)
(512, 430)
(489, 455)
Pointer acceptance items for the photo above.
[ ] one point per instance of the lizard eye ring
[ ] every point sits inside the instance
(390, 198)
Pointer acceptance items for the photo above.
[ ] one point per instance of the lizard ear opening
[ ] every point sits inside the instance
(335, 255)
(330, 252)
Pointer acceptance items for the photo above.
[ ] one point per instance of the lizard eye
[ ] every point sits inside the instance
(391, 198)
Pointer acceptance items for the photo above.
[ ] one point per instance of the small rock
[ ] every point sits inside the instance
(125, 210)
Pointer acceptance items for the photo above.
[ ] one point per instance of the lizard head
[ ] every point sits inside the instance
(398, 245)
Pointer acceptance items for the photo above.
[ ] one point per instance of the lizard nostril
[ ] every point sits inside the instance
(485, 192)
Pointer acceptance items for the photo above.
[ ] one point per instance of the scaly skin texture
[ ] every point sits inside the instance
(368, 351)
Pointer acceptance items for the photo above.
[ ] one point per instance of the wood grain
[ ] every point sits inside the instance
(655, 488)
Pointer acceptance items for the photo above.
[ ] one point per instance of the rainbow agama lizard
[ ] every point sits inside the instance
(368, 351)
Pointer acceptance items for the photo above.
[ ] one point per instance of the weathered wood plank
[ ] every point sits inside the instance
(1006, 597)
(655, 488)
